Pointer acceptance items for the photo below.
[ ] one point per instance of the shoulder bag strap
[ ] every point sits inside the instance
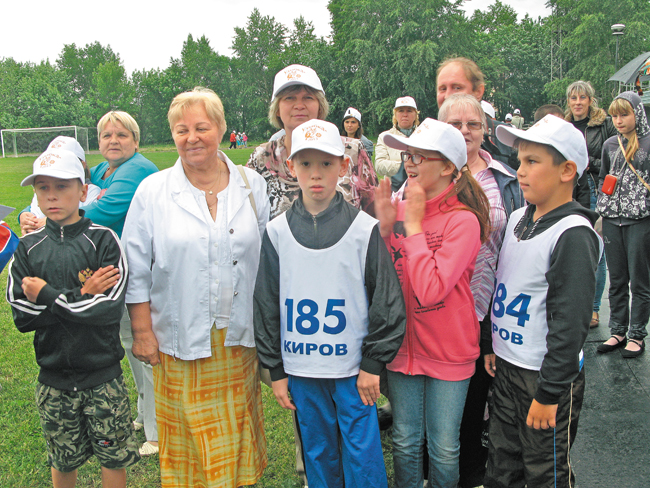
(620, 144)
(248, 187)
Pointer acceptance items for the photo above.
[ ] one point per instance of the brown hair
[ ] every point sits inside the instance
(620, 106)
(472, 72)
(556, 156)
(323, 105)
(544, 110)
(358, 133)
(471, 195)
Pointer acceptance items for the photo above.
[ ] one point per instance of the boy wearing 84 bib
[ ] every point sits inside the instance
(545, 283)
(329, 314)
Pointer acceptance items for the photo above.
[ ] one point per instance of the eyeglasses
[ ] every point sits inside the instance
(471, 125)
(417, 158)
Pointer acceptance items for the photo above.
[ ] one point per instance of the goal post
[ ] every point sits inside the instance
(36, 139)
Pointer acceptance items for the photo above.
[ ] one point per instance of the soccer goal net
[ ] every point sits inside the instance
(36, 140)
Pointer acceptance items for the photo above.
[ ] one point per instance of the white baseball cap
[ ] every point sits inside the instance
(517, 112)
(296, 74)
(552, 131)
(508, 116)
(352, 112)
(317, 134)
(488, 109)
(433, 135)
(406, 102)
(68, 144)
(57, 164)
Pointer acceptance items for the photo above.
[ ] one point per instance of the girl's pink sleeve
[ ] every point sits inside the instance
(433, 274)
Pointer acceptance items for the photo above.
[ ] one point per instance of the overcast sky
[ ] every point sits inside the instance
(147, 34)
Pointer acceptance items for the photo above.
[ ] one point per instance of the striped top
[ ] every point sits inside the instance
(482, 284)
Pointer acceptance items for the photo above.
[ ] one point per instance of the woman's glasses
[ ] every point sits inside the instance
(471, 125)
(417, 158)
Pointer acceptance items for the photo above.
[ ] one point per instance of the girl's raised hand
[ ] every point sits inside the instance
(416, 202)
(385, 211)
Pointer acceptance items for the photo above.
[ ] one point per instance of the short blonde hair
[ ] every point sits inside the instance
(417, 116)
(323, 105)
(199, 95)
(123, 118)
(461, 100)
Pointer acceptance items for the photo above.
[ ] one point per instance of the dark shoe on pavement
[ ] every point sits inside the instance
(604, 347)
(627, 353)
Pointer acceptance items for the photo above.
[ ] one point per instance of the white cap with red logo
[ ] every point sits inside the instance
(296, 74)
(57, 164)
(406, 102)
(317, 134)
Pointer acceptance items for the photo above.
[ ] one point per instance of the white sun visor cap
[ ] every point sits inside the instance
(57, 164)
(317, 134)
(352, 112)
(555, 132)
(433, 135)
(68, 144)
(406, 102)
(488, 109)
(296, 74)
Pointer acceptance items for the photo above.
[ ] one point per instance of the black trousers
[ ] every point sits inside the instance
(473, 455)
(627, 250)
(518, 455)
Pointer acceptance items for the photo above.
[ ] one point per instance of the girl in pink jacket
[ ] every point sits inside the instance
(434, 236)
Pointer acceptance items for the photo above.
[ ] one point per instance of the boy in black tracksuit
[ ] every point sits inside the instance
(545, 283)
(67, 283)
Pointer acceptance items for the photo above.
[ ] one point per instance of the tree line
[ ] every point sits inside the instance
(379, 50)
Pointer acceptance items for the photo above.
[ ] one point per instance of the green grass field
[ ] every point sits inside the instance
(23, 459)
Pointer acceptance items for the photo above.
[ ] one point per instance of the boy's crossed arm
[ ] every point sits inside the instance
(103, 279)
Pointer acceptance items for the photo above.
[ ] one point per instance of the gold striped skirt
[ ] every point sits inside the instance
(210, 418)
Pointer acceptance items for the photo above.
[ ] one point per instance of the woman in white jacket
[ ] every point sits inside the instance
(192, 237)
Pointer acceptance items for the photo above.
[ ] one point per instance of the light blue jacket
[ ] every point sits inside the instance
(118, 189)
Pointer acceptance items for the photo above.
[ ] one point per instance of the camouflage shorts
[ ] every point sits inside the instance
(78, 424)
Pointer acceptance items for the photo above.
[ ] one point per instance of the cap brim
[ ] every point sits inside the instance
(331, 151)
(63, 175)
(396, 142)
(508, 135)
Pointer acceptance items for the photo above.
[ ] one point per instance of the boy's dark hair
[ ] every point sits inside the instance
(556, 155)
(551, 108)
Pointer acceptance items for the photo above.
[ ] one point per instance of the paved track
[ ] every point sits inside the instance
(612, 449)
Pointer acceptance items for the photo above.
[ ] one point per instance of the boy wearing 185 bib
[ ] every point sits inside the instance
(329, 314)
(545, 284)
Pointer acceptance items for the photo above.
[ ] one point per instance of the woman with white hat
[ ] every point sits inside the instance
(351, 127)
(387, 160)
(298, 96)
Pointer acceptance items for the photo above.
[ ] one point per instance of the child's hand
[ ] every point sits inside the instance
(368, 386)
(490, 364)
(281, 392)
(101, 280)
(32, 287)
(385, 211)
(29, 222)
(541, 416)
(416, 201)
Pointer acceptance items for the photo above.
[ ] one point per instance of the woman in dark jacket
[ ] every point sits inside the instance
(583, 112)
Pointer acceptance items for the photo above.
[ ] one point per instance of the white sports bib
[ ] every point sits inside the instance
(323, 300)
(519, 325)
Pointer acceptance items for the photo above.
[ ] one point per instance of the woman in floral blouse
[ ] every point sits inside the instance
(298, 97)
